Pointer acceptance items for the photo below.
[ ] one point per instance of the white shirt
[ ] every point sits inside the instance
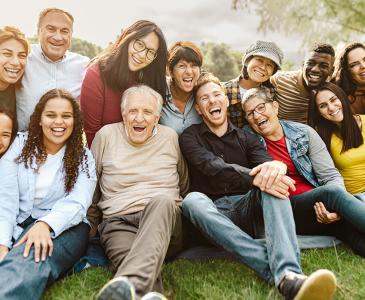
(42, 75)
(46, 174)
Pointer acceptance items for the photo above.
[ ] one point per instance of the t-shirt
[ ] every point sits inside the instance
(350, 163)
(279, 151)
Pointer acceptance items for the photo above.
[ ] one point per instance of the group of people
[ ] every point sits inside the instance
(269, 154)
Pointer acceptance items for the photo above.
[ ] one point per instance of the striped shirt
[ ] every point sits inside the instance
(292, 95)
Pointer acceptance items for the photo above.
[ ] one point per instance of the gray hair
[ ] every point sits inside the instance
(262, 93)
(143, 90)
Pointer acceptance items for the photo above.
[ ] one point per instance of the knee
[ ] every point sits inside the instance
(334, 189)
(193, 201)
(163, 203)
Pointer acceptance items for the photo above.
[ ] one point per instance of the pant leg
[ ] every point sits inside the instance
(264, 259)
(148, 245)
(22, 278)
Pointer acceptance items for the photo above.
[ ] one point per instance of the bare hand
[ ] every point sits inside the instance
(3, 252)
(280, 188)
(324, 216)
(39, 236)
(268, 174)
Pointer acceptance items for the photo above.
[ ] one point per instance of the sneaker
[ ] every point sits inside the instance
(118, 288)
(320, 285)
(153, 296)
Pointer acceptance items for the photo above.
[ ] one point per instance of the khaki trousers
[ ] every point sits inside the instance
(137, 244)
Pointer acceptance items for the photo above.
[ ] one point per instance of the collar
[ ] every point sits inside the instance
(45, 57)
(204, 129)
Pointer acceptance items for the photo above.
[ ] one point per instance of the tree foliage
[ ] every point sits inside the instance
(221, 60)
(326, 20)
(80, 46)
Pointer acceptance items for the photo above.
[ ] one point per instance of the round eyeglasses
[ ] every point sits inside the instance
(140, 46)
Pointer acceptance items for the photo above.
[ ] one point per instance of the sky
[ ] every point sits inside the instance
(100, 21)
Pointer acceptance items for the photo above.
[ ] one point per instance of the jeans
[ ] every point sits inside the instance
(351, 228)
(22, 278)
(227, 220)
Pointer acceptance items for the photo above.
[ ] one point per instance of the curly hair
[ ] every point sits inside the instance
(341, 74)
(34, 153)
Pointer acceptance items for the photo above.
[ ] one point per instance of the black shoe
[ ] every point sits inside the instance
(320, 285)
(118, 288)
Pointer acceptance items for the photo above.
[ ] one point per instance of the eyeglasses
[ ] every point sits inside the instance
(140, 46)
(260, 109)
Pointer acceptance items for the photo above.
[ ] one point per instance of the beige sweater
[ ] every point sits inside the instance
(129, 175)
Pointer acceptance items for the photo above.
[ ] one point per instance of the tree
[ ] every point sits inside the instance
(80, 46)
(221, 60)
(327, 20)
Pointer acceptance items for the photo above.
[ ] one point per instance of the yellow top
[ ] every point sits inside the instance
(350, 163)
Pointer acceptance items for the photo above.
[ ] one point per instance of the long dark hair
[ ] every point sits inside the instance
(14, 127)
(349, 132)
(34, 150)
(342, 75)
(113, 61)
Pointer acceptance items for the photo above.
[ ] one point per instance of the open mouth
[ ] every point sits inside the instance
(136, 60)
(259, 73)
(215, 111)
(334, 113)
(58, 131)
(139, 128)
(314, 77)
(12, 71)
(262, 123)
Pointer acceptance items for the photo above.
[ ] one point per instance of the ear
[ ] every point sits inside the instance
(227, 101)
(197, 108)
(275, 105)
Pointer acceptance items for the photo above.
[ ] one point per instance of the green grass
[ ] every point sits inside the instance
(220, 280)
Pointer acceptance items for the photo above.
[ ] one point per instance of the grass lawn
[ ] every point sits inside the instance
(219, 280)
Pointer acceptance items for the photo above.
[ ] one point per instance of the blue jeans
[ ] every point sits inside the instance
(22, 278)
(351, 228)
(227, 220)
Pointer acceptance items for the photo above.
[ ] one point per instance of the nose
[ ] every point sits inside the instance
(188, 69)
(331, 107)
(15, 60)
(57, 36)
(315, 68)
(139, 117)
(58, 120)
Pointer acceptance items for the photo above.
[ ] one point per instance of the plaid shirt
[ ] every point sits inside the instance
(235, 112)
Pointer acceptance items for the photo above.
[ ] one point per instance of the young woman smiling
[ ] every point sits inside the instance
(343, 133)
(8, 129)
(138, 56)
(349, 74)
(184, 62)
(14, 49)
(48, 179)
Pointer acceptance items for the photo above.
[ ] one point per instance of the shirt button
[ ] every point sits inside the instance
(222, 155)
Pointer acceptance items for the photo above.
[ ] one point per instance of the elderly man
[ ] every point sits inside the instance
(141, 174)
(320, 203)
(50, 65)
(226, 203)
(293, 88)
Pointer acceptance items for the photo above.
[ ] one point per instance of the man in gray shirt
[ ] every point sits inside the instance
(321, 205)
(50, 65)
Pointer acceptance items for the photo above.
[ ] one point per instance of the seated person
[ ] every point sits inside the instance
(48, 179)
(293, 88)
(343, 133)
(320, 203)
(141, 173)
(260, 61)
(225, 202)
(8, 129)
(349, 75)
(184, 62)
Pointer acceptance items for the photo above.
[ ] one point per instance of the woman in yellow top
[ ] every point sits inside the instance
(343, 133)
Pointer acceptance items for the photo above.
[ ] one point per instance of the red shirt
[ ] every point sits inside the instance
(279, 151)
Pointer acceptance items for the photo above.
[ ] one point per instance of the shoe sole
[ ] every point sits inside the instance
(321, 285)
(118, 288)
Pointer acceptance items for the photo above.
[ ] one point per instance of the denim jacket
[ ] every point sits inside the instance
(59, 209)
(309, 154)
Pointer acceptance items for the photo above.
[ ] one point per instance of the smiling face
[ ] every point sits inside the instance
(185, 75)
(140, 116)
(6, 128)
(142, 51)
(260, 69)
(211, 103)
(13, 58)
(263, 120)
(57, 122)
(356, 65)
(329, 106)
(54, 34)
(317, 68)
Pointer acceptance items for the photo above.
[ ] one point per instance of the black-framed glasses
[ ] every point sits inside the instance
(140, 46)
(260, 109)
